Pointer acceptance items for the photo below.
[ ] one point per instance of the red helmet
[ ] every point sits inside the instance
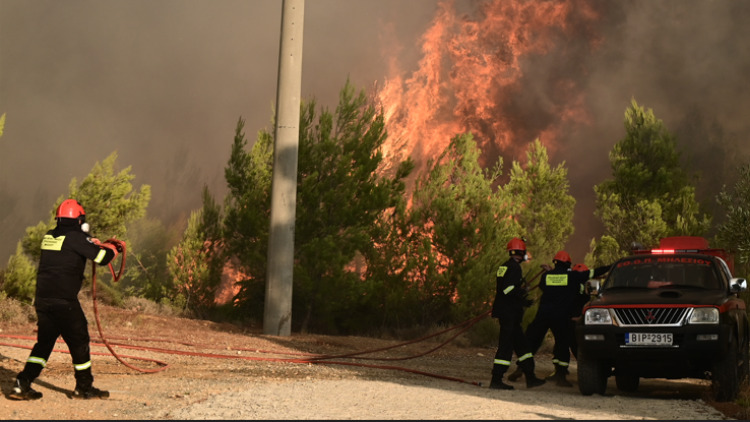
(562, 256)
(580, 267)
(516, 244)
(70, 208)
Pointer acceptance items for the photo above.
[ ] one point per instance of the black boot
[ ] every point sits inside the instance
(498, 384)
(22, 391)
(533, 381)
(89, 392)
(515, 375)
(528, 371)
(559, 376)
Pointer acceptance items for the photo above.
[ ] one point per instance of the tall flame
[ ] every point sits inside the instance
(492, 73)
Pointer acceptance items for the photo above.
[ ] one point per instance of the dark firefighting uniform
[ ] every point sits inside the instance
(65, 250)
(561, 295)
(579, 303)
(508, 308)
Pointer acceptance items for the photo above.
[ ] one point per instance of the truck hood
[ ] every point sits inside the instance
(664, 296)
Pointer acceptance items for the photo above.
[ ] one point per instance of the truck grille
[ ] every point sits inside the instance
(651, 316)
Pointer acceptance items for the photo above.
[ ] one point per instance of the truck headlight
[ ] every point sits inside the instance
(704, 316)
(598, 316)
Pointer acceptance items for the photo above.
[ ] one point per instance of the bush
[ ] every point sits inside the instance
(15, 312)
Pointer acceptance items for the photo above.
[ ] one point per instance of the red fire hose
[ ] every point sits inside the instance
(116, 277)
(308, 359)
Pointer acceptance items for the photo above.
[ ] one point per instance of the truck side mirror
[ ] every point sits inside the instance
(592, 286)
(737, 285)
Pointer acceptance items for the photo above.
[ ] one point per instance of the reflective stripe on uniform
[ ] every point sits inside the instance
(557, 279)
(502, 362)
(82, 366)
(51, 243)
(526, 356)
(561, 363)
(591, 273)
(501, 271)
(100, 256)
(508, 289)
(39, 361)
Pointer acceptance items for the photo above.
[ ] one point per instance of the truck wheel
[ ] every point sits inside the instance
(592, 377)
(744, 363)
(627, 382)
(725, 377)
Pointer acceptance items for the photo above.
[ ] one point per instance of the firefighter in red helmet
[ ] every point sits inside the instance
(561, 291)
(64, 252)
(508, 308)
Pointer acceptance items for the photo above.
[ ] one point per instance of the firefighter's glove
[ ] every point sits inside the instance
(111, 247)
(118, 244)
(527, 302)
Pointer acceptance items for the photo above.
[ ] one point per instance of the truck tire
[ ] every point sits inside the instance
(627, 382)
(725, 376)
(744, 376)
(592, 377)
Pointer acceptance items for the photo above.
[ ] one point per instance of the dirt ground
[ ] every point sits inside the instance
(217, 371)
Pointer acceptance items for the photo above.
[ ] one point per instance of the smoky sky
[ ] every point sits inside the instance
(163, 84)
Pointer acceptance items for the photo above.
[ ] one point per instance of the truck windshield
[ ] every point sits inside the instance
(663, 272)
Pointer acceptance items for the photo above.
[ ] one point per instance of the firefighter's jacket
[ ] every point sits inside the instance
(510, 295)
(562, 289)
(65, 250)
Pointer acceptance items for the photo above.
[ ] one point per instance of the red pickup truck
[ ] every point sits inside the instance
(672, 311)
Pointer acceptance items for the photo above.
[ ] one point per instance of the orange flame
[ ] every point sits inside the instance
(480, 74)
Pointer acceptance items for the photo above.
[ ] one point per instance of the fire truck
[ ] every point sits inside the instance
(673, 311)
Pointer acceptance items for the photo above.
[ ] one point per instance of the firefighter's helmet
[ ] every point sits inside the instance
(562, 256)
(70, 208)
(580, 267)
(516, 244)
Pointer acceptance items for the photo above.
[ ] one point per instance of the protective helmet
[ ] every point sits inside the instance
(516, 244)
(562, 256)
(580, 267)
(70, 208)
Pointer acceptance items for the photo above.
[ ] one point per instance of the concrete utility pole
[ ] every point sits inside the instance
(277, 313)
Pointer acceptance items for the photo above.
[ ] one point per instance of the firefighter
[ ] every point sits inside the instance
(64, 252)
(581, 300)
(561, 296)
(508, 308)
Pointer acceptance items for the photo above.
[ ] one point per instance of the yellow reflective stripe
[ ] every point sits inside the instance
(51, 243)
(508, 289)
(501, 271)
(100, 256)
(40, 361)
(561, 363)
(591, 273)
(82, 366)
(557, 279)
(502, 362)
(526, 356)
(581, 289)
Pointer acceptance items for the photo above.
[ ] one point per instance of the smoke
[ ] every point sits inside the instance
(163, 84)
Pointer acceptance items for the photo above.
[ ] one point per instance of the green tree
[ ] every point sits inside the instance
(109, 202)
(459, 222)
(19, 277)
(541, 201)
(247, 209)
(339, 197)
(649, 195)
(195, 264)
(734, 233)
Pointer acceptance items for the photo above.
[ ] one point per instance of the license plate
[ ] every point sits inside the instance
(648, 339)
